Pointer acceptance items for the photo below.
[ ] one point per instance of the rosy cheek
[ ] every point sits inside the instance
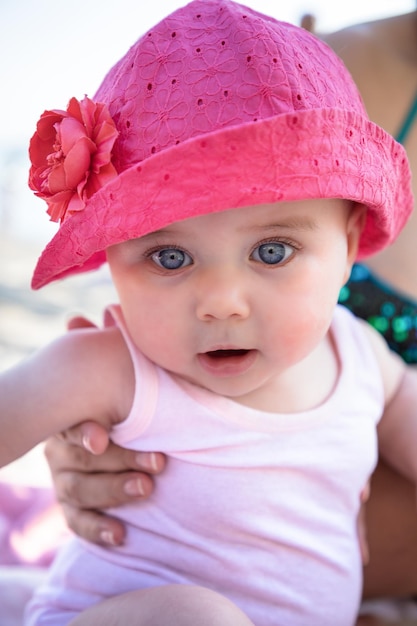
(299, 333)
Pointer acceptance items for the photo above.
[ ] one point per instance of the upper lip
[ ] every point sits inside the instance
(224, 348)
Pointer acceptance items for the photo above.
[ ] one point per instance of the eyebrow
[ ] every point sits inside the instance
(304, 223)
(162, 231)
(292, 223)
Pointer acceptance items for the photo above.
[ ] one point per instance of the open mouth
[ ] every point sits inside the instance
(228, 362)
(224, 354)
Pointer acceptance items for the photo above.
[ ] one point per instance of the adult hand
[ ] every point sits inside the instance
(90, 473)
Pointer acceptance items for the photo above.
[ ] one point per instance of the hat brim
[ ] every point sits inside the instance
(320, 153)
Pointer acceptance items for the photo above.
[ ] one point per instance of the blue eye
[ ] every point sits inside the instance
(171, 258)
(272, 252)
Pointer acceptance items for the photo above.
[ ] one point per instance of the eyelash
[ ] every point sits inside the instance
(149, 253)
(283, 240)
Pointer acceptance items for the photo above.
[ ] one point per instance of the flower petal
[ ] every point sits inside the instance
(77, 162)
(70, 131)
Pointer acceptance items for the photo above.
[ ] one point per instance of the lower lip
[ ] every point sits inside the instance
(228, 365)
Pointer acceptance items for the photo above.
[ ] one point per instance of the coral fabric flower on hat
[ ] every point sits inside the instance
(70, 156)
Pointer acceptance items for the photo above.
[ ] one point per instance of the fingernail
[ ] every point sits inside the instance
(87, 443)
(107, 537)
(134, 487)
(147, 460)
(152, 461)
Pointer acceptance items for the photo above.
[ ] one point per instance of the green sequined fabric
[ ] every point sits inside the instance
(392, 314)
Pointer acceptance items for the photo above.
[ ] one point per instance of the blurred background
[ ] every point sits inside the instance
(52, 50)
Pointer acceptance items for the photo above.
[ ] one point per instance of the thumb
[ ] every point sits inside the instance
(89, 435)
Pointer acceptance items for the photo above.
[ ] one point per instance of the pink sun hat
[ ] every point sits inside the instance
(217, 107)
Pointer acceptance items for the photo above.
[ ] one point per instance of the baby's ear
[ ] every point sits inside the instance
(354, 228)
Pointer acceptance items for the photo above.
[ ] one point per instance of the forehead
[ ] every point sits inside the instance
(299, 215)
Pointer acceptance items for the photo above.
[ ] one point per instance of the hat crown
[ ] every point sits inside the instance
(214, 64)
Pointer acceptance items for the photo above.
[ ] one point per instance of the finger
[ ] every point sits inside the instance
(308, 22)
(94, 527)
(95, 439)
(62, 456)
(101, 491)
(361, 524)
(77, 321)
(89, 435)
(365, 493)
(362, 536)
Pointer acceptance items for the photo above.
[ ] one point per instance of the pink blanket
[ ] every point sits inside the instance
(31, 525)
(31, 530)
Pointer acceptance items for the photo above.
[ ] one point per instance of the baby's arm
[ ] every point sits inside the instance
(397, 429)
(83, 375)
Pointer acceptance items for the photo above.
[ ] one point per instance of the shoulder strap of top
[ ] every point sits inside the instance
(408, 121)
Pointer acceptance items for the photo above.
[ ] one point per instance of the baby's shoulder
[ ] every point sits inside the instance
(91, 343)
(391, 366)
